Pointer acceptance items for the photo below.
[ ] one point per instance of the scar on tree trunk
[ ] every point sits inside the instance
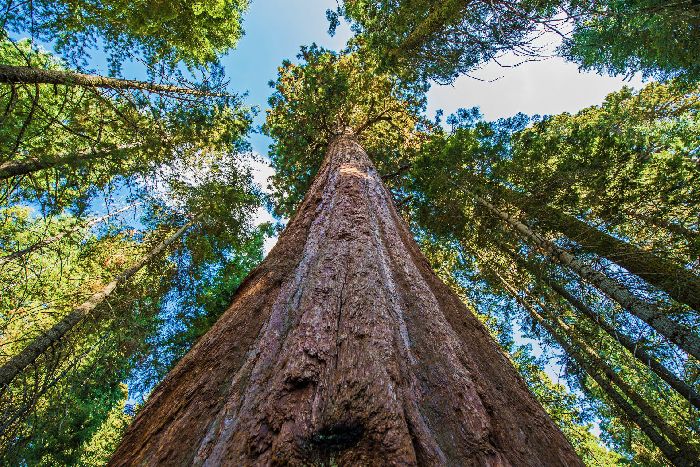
(343, 347)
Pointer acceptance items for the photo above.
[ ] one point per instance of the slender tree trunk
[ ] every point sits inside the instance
(344, 348)
(29, 75)
(688, 234)
(644, 357)
(685, 390)
(585, 353)
(651, 314)
(442, 14)
(42, 343)
(14, 168)
(680, 283)
(646, 418)
(54, 238)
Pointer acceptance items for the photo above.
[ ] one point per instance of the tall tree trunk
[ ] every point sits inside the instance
(635, 348)
(691, 236)
(685, 390)
(680, 283)
(14, 256)
(42, 343)
(651, 314)
(442, 14)
(14, 168)
(10, 74)
(344, 347)
(646, 418)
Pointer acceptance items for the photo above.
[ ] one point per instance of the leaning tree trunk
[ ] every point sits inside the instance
(679, 283)
(16, 168)
(651, 314)
(635, 348)
(634, 413)
(28, 355)
(344, 347)
(11, 74)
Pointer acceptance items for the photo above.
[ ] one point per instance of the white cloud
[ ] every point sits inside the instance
(262, 171)
(545, 87)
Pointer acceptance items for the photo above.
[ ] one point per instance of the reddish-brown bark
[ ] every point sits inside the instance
(343, 347)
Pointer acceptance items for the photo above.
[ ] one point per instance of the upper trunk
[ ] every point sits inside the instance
(29, 75)
(344, 347)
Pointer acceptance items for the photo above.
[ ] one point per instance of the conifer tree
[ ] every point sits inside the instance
(348, 348)
(500, 201)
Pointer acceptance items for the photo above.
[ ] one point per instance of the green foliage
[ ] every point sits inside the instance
(82, 139)
(630, 163)
(82, 150)
(98, 449)
(623, 37)
(60, 403)
(195, 33)
(441, 39)
(329, 94)
(53, 411)
(626, 168)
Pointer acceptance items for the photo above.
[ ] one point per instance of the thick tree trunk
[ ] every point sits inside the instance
(678, 282)
(343, 347)
(29, 75)
(41, 344)
(651, 314)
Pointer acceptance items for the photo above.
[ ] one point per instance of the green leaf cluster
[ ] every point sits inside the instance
(162, 32)
(329, 94)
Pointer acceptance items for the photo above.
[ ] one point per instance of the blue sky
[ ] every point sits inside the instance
(275, 30)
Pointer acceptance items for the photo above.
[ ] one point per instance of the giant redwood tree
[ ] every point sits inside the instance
(343, 346)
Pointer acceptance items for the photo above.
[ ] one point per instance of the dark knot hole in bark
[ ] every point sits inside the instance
(328, 442)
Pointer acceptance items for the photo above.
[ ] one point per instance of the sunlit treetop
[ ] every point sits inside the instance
(445, 38)
(329, 94)
(193, 33)
(636, 149)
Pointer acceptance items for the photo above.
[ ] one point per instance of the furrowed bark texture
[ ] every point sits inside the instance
(344, 347)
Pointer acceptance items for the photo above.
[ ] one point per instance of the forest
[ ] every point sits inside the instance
(443, 290)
